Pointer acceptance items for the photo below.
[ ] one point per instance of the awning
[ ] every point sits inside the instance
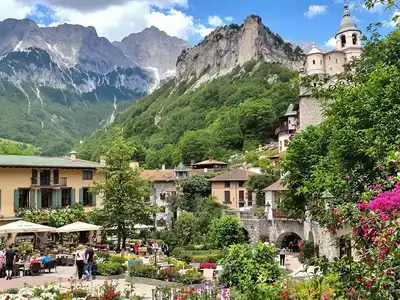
(78, 226)
(23, 226)
(141, 226)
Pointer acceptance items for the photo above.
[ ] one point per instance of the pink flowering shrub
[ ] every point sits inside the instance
(386, 200)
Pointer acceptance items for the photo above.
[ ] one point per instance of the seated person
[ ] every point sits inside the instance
(46, 259)
(33, 260)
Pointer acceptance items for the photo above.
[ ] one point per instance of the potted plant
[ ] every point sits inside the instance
(25, 249)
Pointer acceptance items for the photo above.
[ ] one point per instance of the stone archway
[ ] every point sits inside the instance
(288, 240)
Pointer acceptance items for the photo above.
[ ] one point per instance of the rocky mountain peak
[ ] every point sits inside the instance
(233, 45)
(153, 48)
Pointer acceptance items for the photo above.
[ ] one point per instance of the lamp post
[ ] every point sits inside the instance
(327, 196)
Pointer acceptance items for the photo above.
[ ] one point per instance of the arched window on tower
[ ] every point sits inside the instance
(354, 39)
(343, 40)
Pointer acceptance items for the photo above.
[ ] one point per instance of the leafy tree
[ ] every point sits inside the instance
(195, 145)
(123, 190)
(207, 209)
(185, 229)
(258, 182)
(225, 231)
(14, 148)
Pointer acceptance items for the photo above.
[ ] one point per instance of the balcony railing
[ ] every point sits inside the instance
(48, 181)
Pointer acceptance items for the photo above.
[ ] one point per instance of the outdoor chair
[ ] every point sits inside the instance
(63, 261)
(70, 262)
(35, 268)
(53, 265)
(46, 266)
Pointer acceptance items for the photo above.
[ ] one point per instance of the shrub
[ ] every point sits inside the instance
(225, 231)
(110, 268)
(25, 248)
(143, 271)
(308, 251)
(192, 276)
(177, 252)
(117, 259)
(170, 274)
(102, 255)
(208, 265)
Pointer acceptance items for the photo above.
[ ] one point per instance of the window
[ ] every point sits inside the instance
(227, 184)
(250, 198)
(23, 198)
(241, 196)
(343, 41)
(329, 57)
(227, 197)
(162, 196)
(87, 197)
(354, 39)
(34, 176)
(320, 62)
(336, 60)
(46, 198)
(87, 175)
(241, 183)
(56, 177)
(313, 62)
(66, 197)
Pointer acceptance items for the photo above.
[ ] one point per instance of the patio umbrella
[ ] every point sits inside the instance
(141, 226)
(23, 226)
(78, 226)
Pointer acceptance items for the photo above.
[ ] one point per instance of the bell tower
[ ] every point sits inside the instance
(348, 37)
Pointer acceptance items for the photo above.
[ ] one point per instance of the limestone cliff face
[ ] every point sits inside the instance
(229, 46)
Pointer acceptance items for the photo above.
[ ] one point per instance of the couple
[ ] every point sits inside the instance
(84, 261)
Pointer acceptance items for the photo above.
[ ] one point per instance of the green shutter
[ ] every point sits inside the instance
(93, 199)
(73, 197)
(32, 199)
(59, 201)
(54, 198)
(16, 199)
(81, 196)
(39, 199)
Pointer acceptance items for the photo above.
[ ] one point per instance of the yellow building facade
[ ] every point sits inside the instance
(45, 182)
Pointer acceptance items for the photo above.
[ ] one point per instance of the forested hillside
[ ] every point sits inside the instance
(232, 113)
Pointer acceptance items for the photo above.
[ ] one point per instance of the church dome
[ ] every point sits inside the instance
(347, 22)
(314, 50)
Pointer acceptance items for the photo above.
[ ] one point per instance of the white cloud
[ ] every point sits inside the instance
(215, 21)
(123, 17)
(229, 19)
(378, 8)
(331, 43)
(14, 9)
(394, 22)
(315, 10)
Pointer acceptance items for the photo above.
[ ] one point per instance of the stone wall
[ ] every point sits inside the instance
(256, 228)
(310, 112)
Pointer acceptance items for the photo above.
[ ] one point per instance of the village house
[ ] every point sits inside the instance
(45, 182)
(230, 189)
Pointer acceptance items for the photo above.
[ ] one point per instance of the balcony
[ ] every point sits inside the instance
(48, 181)
(282, 127)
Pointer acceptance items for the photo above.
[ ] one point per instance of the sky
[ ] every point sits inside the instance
(295, 20)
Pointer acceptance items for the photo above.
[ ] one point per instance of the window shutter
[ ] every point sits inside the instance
(54, 198)
(59, 198)
(39, 199)
(73, 197)
(94, 199)
(16, 199)
(81, 196)
(32, 199)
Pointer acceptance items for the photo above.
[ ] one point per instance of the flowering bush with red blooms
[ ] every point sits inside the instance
(108, 291)
(208, 265)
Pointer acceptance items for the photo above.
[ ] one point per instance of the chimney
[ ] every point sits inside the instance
(205, 170)
(102, 159)
(163, 167)
(74, 155)
(192, 162)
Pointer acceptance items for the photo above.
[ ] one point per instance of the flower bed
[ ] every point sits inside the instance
(190, 276)
(208, 265)
(110, 265)
(52, 291)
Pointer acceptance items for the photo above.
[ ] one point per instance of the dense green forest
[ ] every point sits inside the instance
(232, 113)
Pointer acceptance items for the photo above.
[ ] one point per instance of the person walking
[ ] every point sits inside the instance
(89, 255)
(80, 261)
(10, 260)
(282, 256)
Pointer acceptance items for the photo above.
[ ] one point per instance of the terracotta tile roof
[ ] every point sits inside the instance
(234, 175)
(159, 175)
(48, 162)
(276, 186)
